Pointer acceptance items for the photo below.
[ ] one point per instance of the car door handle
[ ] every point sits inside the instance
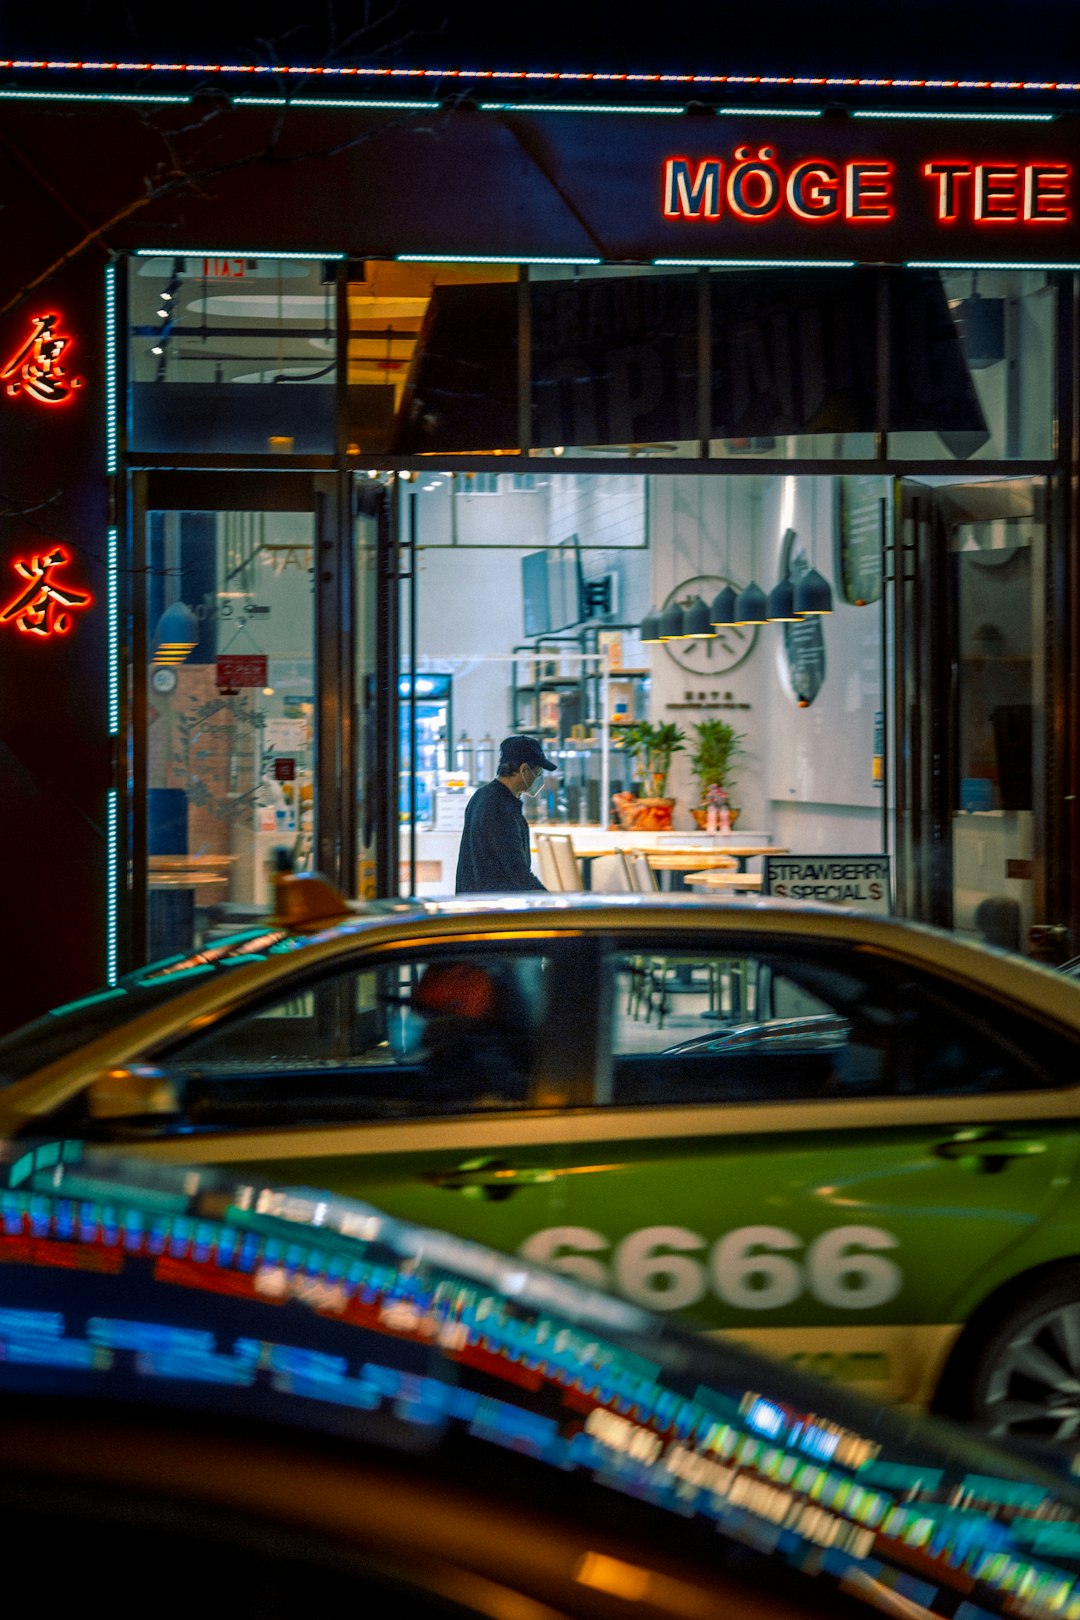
(496, 1179)
(990, 1145)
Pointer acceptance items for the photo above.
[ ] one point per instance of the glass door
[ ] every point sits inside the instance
(244, 712)
(972, 683)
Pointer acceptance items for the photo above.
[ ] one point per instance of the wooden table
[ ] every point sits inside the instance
(716, 880)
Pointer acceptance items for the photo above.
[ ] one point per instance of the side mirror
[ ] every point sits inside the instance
(132, 1094)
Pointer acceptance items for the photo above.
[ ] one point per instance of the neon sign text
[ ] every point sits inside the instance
(35, 369)
(756, 185)
(44, 606)
(1034, 193)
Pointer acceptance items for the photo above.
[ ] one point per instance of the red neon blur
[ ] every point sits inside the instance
(44, 607)
(1000, 193)
(35, 369)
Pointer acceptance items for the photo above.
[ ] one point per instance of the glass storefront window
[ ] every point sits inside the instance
(432, 358)
(1004, 321)
(230, 712)
(793, 364)
(232, 354)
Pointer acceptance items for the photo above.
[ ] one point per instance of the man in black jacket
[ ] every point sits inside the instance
(494, 854)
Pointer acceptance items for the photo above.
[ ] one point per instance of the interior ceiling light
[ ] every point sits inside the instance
(812, 594)
(697, 623)
(671, 623)
(750, 606)
(780, 603)
(650, 627)
(723, 607)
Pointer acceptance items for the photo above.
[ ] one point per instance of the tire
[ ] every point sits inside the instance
(1025, 1376)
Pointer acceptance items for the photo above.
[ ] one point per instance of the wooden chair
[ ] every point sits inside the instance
(549, 872)
(559, 868)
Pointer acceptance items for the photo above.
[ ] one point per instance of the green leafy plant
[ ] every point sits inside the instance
(650, 748)
(716, 745)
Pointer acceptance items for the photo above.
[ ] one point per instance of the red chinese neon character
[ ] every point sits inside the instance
(41, 609)
(36, 366)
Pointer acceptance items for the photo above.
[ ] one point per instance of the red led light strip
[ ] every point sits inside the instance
(547, 75)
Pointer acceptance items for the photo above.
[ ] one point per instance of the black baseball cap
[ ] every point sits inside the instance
(524, 751)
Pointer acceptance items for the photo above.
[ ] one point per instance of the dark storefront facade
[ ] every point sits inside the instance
(300, 384)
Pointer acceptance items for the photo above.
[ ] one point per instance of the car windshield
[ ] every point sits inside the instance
(76, 1023)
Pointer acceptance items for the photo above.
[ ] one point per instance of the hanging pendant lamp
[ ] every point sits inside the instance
(723, 607)
(812, 594)
(697, 625)
(750, 605)
(780, 603)
(671, 623)
(650, 627)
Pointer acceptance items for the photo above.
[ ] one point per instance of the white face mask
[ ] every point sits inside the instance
(535, 787)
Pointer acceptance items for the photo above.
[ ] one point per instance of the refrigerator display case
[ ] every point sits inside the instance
(434, 733)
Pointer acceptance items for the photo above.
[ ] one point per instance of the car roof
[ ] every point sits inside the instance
(410, 1339)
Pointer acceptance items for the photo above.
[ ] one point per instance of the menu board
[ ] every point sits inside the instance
(859, 537)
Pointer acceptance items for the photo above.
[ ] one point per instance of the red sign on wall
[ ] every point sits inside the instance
(34, 369)
(284, 768)
(243, 669)
(45, 605)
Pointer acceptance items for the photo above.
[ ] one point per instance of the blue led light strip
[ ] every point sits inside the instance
(113, 611)
(491, 258)
(573, 107)
(112, 898)
(110, 370)
(966, 116)
(231, 253)
(988, 264)
(769, 112)
(371, 104)
(757, 264)
(90, 95)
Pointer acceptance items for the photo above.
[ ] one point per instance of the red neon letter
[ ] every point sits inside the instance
(868, 191)
(689, 193)
(948, 177)
(813, 190)
(1046, 193)
(997, 192)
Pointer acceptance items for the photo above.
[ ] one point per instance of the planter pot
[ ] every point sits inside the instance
(702, 816)
(643, 815)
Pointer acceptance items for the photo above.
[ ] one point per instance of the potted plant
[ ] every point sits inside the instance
(650, 748)
(716, 744)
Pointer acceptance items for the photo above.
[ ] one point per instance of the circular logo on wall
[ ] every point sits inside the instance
(710, 655)
(802, 654)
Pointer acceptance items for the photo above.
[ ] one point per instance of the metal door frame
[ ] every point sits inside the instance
(326, 496)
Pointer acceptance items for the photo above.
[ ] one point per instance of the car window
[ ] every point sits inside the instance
(392, 1036)
(776, 1025)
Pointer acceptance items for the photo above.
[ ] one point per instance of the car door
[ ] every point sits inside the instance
(817, 1150)
(428, 1078)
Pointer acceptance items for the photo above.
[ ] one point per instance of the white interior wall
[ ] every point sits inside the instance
(806, 778)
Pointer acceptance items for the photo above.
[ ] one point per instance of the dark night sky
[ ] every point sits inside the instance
(998, 38)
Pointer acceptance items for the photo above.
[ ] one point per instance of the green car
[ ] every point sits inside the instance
(850, 1141)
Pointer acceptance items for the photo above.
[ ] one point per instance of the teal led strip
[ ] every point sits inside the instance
(574, 107)
(490, 258)
(966, 116)
(113, 621)
(769, 112)
(112, 897)
(989, 264)
(110, 370)
(91, 95)
(313, 257)
(757, 264)
(370, 104)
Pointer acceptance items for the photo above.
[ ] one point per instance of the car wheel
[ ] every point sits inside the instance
(1026, 1375)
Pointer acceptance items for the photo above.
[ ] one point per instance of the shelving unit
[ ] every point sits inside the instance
(539, 707)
